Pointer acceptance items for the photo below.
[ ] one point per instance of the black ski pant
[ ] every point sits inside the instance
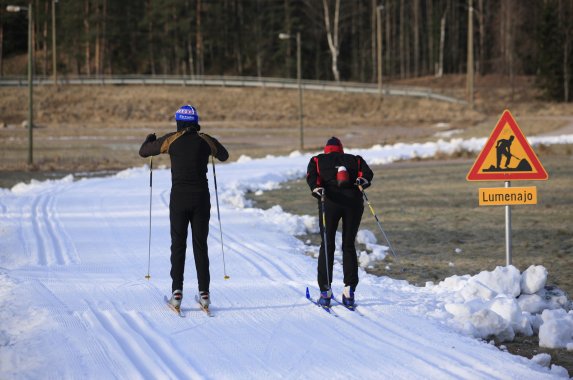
(351, 216)
(186, 208)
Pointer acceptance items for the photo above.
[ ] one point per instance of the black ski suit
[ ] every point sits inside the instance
(189, 202)
(341, 202)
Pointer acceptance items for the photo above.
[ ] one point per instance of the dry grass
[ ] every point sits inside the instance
(101, 127)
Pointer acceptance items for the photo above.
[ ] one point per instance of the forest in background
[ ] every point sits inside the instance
(338, 38)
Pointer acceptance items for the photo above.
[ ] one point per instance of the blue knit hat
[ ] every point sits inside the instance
(187, 113)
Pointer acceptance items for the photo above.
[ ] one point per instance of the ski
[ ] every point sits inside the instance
(328, 309)
(173, 308)
(203, 308)
(351, 308)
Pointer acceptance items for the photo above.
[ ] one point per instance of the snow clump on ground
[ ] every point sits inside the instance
(503, 303)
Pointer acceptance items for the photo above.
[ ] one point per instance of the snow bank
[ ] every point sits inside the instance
(557, 329)
(500, 304)
(35, 185)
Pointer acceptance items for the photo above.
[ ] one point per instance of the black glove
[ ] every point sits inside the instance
(318, 192)
(363, 182)
(150, 137)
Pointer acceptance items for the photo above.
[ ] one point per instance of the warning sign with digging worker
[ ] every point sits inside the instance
(507, 156)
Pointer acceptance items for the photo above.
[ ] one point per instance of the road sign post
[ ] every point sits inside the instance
(494, 163)
(507, 230)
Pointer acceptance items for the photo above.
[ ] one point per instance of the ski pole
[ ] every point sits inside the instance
(324, 236)
(219, 217)
(150, 197)
(377, 220)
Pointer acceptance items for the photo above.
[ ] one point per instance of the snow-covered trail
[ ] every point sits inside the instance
(74, 302)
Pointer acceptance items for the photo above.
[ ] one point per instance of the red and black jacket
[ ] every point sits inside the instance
(322, 170)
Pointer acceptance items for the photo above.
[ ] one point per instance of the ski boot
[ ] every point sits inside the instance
(348, 296)
(175, 299)
(204, 299)
(324, 299)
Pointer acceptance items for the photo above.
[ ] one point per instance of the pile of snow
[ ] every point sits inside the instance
(374, 252)
(503, 303)
(557, 329)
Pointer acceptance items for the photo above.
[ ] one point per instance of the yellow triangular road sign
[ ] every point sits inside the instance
(507, 156)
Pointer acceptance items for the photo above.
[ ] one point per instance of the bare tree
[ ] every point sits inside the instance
(430, 33)
(416, 10)
(199, 41)
(287, 28)
(566, 13)
(507, 40)
(389, 33)
(332, 35)
(481, 20)
(87, 13)
(403, 31)
(1, 44)
(373, 13)
(45, 58)
(440, 70)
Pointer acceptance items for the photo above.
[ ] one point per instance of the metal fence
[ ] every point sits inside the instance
(230, 81)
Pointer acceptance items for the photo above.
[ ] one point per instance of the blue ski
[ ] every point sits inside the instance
(328, 309)
(351, 308)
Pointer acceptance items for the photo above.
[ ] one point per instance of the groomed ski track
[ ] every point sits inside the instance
(74, 302)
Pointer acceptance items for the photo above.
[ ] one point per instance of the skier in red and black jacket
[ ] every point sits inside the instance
(334, 176)
(190, 200)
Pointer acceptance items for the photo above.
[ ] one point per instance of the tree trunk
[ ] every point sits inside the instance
(87, 36)
(199, 41)
(150, 38)
(1, 44)
(97, 45)
(188, 39)
(258, 41)
(403, 32)
(45, 39)
(239, 37)
(104, 43)
(389, 38)
(288, 42)
(508, 41)
(416, 5)
(430, 32)
(481, 54)
(373, 36)
(566, 13)
(178, 62)
(440, 71)
(332, 36)
(566, 73)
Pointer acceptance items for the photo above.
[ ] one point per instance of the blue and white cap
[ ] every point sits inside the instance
(187, 113)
